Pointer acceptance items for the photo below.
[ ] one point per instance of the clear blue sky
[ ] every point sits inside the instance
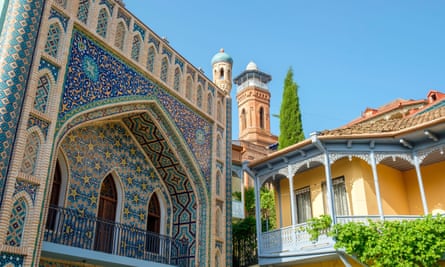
(346, 55)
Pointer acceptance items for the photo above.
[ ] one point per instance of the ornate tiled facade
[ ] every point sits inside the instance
(97, 97)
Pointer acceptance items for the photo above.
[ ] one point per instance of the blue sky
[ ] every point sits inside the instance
(346, 55)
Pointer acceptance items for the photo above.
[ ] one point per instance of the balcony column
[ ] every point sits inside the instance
(376, 184)
(420, 181)
(258, 213)
(280, 205)
(330, 193)
(292, 195)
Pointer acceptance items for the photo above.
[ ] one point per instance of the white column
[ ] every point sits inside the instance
(420, 181)
(258, 213)
(292, 195)
(376, 184)
(330, 193)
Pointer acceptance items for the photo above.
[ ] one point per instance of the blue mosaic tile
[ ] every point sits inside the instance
(19, 42)
(138, 28)
(62, 18)
(12, 259)
(180, 63)
(36, 121)
(109, 5)
(44, 64)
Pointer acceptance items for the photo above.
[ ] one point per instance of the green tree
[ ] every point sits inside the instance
(291, 126)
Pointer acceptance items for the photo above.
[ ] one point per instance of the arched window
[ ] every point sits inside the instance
(30, 154)
(177, 79)
(106, 215)
(164, 69)
(136, 48)
(218, 223)
(102, 22)
(199, 96)
(188, 88)
(16, 223)
(153, 225)
(53, 39)
(243, 119)
(42, 93)
(151, 59)
(221, 74)
(261, 118)
(54, 199)
(209, 104)
(82, 12)
(120, 35)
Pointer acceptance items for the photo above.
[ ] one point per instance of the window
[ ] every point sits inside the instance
(104, 239)
(340, 197)
(102, 23)
(304, 207)
(218, 183)
(243, 119)
(261, 118)
(219, 113)
(153, 225)
(221, 74)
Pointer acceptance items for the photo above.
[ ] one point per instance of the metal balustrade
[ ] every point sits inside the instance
(73, 228)
(296, 240)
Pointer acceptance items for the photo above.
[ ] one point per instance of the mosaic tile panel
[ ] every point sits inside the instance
(180, 63)
(154, 41)
(108, 4)
(102, 23)
(30, 154)
(125, 17)
(36, 121)
(29, 188)
(96, 77)
(42, 93)
(44, 64)
(16, 223)
(84, 8)
(17, 44)
(138, 28)
(8, 259)
(61, 17)
(53, 39)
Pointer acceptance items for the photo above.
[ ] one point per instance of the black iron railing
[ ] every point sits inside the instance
(72, 228)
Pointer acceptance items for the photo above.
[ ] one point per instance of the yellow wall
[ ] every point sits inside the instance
(433, 177)
(399, 191)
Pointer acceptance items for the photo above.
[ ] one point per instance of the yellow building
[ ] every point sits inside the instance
(387, 165)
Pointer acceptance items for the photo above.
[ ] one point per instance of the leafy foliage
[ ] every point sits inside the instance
(291, 127)
(318, 225)
(418, 242)
(268, 206)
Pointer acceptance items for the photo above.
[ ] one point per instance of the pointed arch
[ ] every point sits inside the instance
(219, 112)
(243, 119)
(219, 146)
(53, 39)
(119, 38)
(102, 22)
(218, 183)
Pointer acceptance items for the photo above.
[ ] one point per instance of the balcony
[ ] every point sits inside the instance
(293, 244)
(75, 230)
